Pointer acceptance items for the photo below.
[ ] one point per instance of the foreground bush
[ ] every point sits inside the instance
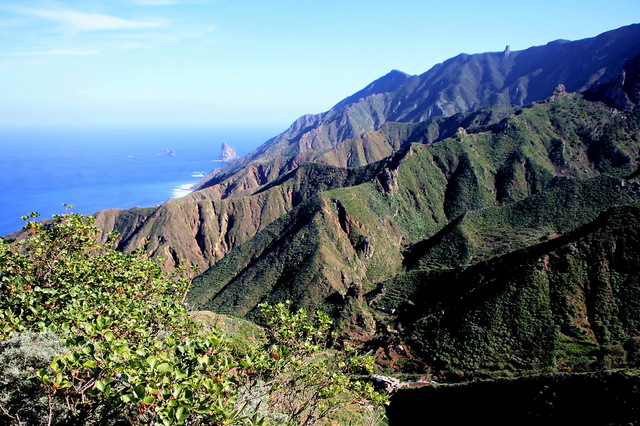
(113, 342)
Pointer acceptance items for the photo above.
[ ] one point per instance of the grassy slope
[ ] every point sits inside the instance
(494, 231)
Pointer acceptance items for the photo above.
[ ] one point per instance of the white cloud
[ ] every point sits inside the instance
(58, 52)
(83, 21)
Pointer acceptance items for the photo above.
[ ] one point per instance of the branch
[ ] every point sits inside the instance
(6, 413)
(50, 409)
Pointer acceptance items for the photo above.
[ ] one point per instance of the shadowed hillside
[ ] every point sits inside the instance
(569, 303)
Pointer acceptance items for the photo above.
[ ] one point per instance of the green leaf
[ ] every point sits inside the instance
(153, 362)
(89, 363)
(139, 391)
(148, 400)
(204, 360)
(165, 367)
(218, 387)
(56, 365)
(181, 374)
(44, 378)
(64, 384)
(100, 323)
(182, 413)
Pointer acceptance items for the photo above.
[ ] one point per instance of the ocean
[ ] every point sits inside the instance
(96, 168)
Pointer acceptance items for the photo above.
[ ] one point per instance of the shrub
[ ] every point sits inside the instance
(92, 335)
(308, 382)
(20, 358)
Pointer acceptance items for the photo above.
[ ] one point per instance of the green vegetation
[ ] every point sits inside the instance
(568, 304)
(91, 335)
(495, 231)
(302, 384)
(512, 180)
(481, 247)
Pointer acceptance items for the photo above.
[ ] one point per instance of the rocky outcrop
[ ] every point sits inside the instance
(622, 93)
(227, 152)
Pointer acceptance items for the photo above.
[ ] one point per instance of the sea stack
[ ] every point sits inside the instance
(227, 152)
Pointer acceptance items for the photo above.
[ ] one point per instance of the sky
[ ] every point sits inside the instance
(246, 62)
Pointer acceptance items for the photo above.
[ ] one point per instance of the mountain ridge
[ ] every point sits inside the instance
(245, 181)
(203, 226)
(460, 84)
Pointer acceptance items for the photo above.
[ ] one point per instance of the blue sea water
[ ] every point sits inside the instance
(95, 168)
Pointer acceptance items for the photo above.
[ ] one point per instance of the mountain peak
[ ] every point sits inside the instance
(385, 84)
(388, 82)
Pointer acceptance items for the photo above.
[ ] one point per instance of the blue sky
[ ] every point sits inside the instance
(212, 62)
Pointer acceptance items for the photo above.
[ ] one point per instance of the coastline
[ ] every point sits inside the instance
(95, 169)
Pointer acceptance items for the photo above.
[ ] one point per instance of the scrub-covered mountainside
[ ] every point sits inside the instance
(240, 199)
(479, 219)
(414, 242)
